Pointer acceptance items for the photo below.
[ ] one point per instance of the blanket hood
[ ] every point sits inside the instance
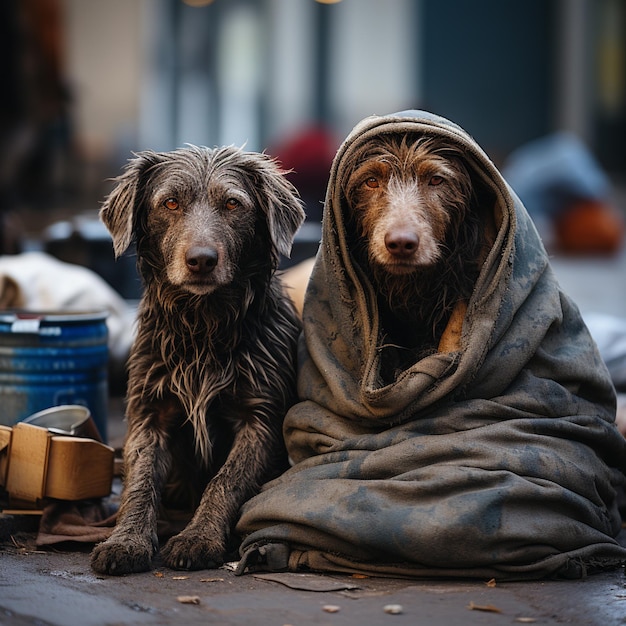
(476, 460)
(340, 361)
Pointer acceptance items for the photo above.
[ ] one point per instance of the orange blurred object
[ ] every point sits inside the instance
(589, 227)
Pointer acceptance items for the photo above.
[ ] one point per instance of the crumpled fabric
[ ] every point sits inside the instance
(497, 458)
(91, 521)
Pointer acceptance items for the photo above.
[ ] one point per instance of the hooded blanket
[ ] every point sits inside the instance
(496, 456)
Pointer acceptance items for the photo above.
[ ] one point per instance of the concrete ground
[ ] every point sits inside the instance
(41, 588)
(58, 587)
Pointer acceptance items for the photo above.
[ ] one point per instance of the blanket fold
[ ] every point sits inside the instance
(497, 456)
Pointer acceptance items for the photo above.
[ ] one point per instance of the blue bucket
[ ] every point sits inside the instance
(50, 359)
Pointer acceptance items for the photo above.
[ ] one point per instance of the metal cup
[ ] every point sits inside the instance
(73, 420)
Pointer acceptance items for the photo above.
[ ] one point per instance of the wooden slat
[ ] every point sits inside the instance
(78, 469)
(28, 460)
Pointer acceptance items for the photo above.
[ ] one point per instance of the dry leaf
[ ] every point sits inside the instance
(211, 580)
(180, 577)
(483, 607)
(491, 583)
(360, 576)
(158, 574)
(188, 599)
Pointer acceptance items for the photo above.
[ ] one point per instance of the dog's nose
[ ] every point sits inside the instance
(402, 243)
(201, 260)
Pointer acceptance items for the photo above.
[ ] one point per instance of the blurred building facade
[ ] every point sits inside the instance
(137, 74)
(253, 71)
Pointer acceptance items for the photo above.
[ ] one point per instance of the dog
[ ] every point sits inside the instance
(212, 368)
(414, 229)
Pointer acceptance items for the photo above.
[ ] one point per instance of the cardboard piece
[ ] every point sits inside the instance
(35, 464)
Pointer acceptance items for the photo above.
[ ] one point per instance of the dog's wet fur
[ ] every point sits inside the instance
(414, 229)
(212, 369)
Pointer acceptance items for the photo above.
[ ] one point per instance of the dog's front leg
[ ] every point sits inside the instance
(134, 540)
(203, 543)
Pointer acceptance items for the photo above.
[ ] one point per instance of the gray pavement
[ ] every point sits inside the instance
(596, 284)
(58, 587)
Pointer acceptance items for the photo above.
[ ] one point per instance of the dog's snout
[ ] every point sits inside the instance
(201, 260)
(401, 243)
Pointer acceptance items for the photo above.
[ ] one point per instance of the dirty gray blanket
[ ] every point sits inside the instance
(497, 458)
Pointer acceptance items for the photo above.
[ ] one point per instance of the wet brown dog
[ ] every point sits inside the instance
(415, 232)
(212, 369)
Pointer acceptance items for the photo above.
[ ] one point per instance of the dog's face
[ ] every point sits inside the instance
(404, 195)
(194, 212)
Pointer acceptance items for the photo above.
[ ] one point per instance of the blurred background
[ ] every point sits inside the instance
(85, 82)
(540, 84)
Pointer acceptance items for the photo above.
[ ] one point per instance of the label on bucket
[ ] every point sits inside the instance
(28, 325)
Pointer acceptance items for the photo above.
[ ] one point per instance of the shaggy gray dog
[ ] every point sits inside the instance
(212, 369)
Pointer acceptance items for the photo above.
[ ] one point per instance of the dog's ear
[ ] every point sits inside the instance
(118, 210)
(281, 203)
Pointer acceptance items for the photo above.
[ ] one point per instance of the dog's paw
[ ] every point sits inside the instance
(123, 555)
(193, 551)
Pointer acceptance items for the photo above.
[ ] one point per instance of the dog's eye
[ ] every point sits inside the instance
(372, 182)
(435, 180)
(231, 204)
(171, 204)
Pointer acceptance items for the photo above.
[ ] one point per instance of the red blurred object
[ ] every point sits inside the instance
(589, 227)
(309, 155)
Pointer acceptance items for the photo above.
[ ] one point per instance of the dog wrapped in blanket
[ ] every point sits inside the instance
(455, 417)
(212, 369)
